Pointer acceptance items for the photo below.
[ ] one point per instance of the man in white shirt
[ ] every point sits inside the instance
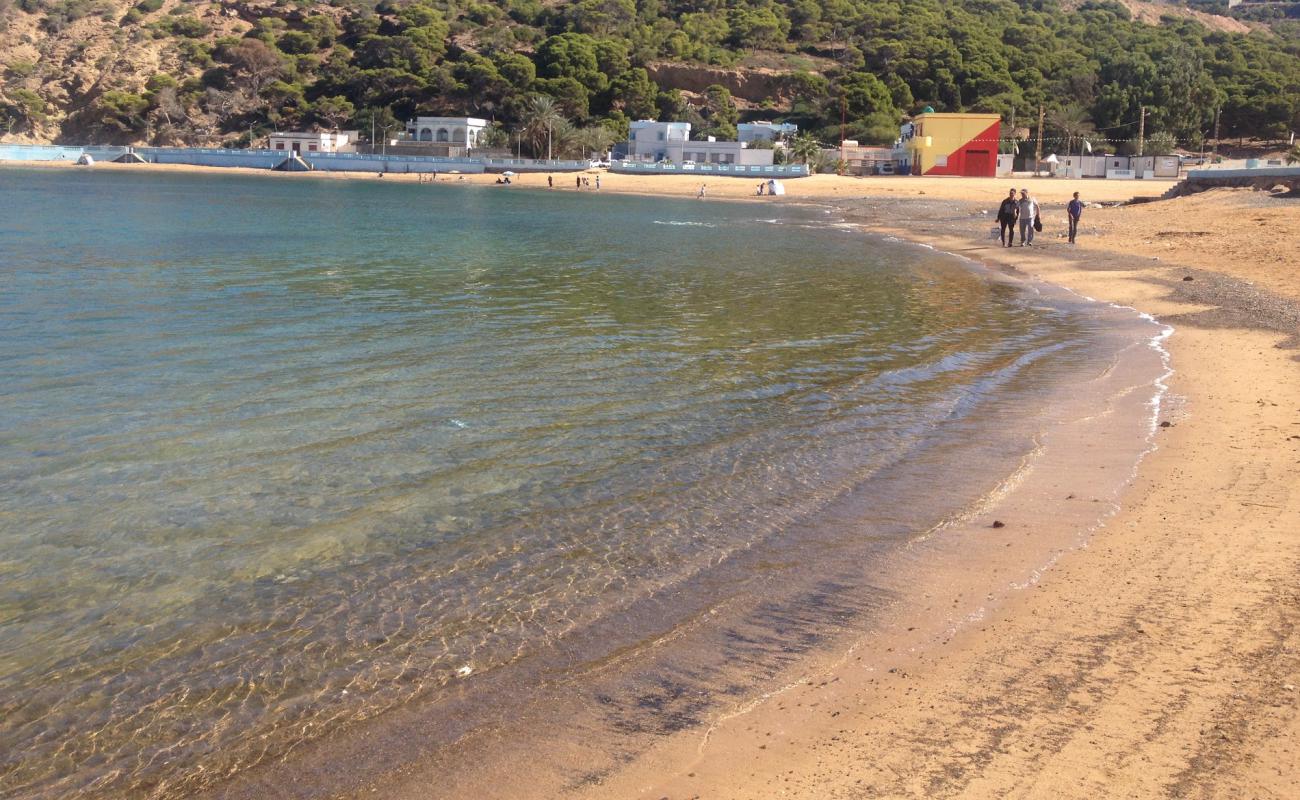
(1028, 216)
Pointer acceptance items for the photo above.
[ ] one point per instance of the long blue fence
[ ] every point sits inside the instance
(365, 162)
(731, 170)
(54, 152)
(268, 159)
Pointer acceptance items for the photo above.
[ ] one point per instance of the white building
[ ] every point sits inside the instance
(453, 131)
(652, 141)
(315, 142)
(771, 131)
(671, 141)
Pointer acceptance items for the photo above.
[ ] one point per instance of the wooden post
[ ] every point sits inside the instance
(1142, 130)
(1038, 149)
(1217, 112)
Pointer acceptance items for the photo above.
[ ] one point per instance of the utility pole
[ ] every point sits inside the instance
(1038, 149)
(844, 105)
(1142, 130)
(548, 141)
(1217, 112)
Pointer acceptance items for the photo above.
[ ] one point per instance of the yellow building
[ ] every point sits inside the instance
(952, 144)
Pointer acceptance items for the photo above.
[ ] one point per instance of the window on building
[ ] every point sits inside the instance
(279, 145)
(311, 147)
(661, 136)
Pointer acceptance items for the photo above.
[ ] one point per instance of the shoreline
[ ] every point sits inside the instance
(379, 755)
(1103, 676)
(923, 578)
(1158, 659)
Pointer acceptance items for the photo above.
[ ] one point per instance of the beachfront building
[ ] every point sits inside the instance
(864, 160)
(951, 144)
(453, 137)
(315, 142)
(655, 141)
(749, 132)
(671, 141)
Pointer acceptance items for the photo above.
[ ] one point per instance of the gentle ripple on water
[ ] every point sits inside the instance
(281, 455)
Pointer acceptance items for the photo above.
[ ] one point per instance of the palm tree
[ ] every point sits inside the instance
(541, 119)
(593, 140)
(1074, 123)
(804, 147)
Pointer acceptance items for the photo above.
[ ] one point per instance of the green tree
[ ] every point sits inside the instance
(720, 113)
(542, 118)
(804, 148)
(572, 55)
(635, 94)
(23, 109)
(1073, 124)
(334, 111)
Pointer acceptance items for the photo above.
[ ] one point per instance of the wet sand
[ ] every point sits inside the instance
(1162, 659)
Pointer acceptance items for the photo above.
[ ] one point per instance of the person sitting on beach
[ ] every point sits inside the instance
(577, 182)
(1007, 213)
(1028, 216)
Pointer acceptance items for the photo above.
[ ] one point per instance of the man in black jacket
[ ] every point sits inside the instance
(1007, 213)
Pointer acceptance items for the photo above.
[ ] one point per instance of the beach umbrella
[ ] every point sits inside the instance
(1052, 159)
(508, 174)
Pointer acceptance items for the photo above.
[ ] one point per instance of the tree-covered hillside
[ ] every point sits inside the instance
(175, 71)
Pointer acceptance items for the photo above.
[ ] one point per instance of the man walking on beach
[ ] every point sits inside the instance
(704, 187)
(550, 181)
(1028, 215)
(1074, 210)
(1007, 219)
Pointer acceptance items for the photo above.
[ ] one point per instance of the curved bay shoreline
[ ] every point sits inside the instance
(1160, 660)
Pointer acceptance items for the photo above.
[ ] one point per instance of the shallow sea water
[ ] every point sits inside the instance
(278, 456)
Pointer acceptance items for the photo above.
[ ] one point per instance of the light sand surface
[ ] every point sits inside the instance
(1163, 659)
(812, 188)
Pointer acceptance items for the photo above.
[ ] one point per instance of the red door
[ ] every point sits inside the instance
(979, 164)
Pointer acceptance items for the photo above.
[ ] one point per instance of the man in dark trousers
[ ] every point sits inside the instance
(1007, 219)
(1074, 210)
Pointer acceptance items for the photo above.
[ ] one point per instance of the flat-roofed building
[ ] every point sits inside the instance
(671, 141)
(649, 140)
(314, 142)
(454, 137)
(864, 160)
(748, 132)
(952, 144)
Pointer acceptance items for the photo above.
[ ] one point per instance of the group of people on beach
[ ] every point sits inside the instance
(1025, 213)
(580, 182)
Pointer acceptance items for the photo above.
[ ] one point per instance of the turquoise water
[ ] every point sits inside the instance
(279, 455)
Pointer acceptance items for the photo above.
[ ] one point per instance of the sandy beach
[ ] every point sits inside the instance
(1160, 659)
(1163, 659)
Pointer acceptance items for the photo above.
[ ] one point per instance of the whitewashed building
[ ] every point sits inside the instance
(314, 142)
(671, 141)
(748, 132)
(453, 131)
